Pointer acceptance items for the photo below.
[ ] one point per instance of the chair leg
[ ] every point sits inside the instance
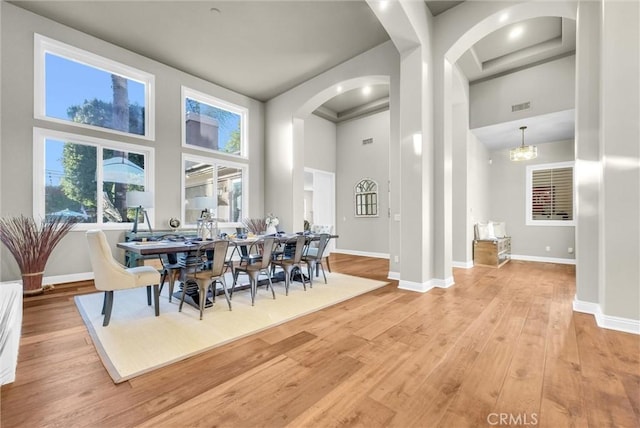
(108, 305)
(163, 278)
(184, 291)
(224, 288)
(328, 264)
(156, 298)
(104, 302)
(310, 272)
(304, 283)
(287, 280)
(172, 280)
(203, 295)
(273, 292)
(149, 295)
(233, 286)
(323, 273)
(253, 282)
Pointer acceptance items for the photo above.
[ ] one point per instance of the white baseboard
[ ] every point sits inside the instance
(393, 275)
(72, 277)
(462, 265)
(610, 322)
(361, 253)
(425, 286)
(60, 279)
(543, 259)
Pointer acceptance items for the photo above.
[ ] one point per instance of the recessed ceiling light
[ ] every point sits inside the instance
(516, 32)
(339, 89)
(504, 17)
(366, 90)
(384, 4)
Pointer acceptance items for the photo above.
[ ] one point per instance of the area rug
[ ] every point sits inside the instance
(136, 342)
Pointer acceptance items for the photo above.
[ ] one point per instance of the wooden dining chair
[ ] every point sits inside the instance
(207, 273)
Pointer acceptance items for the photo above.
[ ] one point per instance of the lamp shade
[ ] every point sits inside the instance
(523, 152)
(201, 203)
(137, 198)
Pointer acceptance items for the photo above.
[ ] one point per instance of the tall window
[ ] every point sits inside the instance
(366, 198)
(214, 185)
(212, 124)
(87, 90)
(88, 178)
(550, 195)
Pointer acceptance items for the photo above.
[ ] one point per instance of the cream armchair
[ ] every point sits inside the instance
(109, 275)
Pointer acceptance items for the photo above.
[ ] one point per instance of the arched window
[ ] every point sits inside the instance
(366, 198)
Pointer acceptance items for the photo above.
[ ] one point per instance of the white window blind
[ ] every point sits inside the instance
(550, 194)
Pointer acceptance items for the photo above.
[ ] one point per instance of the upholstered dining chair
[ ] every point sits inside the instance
(207, 273)
(314, 259)
(290, 264)
(109, 275)
(260, 267)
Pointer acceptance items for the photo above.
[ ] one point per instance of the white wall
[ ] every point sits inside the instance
(18, 27)
(507, 198)
(286, 115)
(620, 151)
(356, 161)
(319, 144)
(549, 87)
(479, 187)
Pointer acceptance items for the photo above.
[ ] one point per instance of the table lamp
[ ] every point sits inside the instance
(140, 200)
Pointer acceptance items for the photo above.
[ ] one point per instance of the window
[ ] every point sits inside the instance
(88, 178)
(550, 195)
(214, 185)
(366, 196)
(212, 124)
(86, 90)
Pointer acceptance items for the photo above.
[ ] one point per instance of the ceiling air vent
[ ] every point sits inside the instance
(520, 107)
(367, 141)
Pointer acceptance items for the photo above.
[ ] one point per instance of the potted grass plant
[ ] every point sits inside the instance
(31, 245)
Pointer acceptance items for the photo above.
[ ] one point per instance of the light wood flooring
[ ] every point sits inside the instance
(502, 347)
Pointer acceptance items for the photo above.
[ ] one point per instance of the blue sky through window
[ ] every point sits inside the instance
(70, 83)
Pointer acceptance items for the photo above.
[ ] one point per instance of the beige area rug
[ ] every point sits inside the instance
(136, 342)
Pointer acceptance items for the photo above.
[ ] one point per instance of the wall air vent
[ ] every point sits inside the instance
(367, 141)
(520, 107)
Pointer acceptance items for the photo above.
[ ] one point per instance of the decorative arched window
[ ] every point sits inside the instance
(366, 198)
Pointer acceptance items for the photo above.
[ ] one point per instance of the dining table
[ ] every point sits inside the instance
(146, 248)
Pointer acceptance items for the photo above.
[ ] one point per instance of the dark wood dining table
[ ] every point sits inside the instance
(146, 249)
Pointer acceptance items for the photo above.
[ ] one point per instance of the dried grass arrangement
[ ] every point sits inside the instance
(31, 245)
(257, 226)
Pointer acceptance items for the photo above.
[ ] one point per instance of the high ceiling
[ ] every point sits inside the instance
(264, 48)
(257, 48)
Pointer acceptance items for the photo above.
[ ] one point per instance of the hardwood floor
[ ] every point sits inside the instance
(502, 347)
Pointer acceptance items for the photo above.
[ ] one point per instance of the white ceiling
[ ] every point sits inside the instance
(263, 48)
(257, 48)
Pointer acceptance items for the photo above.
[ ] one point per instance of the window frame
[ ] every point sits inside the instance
(529, 220)
(356, 198)
(44, 45)
(212, 101)
(40, 135)
(215, 162)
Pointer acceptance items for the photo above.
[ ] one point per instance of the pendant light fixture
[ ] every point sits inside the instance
(523, 152)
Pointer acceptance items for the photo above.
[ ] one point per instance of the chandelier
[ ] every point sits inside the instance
(523, 152)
